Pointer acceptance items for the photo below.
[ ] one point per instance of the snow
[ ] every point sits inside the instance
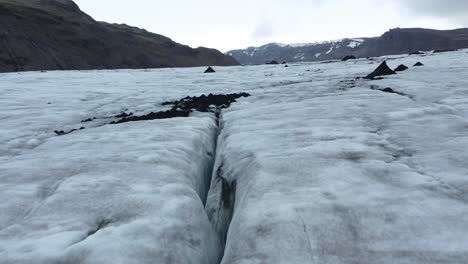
(299, 56)
(325, 172)
(352, 176)
(331, 49)
(137, 177)
(299, 45)
(275, 44)
(355, 43)
(144, 180)
(329, 42)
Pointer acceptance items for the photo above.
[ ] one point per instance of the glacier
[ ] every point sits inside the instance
(317, 166)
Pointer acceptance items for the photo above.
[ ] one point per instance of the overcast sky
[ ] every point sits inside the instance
(226, 25)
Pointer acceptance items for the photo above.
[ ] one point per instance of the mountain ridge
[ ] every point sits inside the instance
(57, 35)
(393, 42)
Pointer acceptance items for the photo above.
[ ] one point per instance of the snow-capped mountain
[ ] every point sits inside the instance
(395, 41)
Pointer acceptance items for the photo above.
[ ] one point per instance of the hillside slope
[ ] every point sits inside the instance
(57, 35)
(395, 41)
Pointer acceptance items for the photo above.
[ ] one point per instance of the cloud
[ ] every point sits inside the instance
(228, 24)
(264, 30)
(276, 19)
(454, 10)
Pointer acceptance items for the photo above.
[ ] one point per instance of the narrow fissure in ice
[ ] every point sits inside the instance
(164, 205)
(221, 196)
(211, 162)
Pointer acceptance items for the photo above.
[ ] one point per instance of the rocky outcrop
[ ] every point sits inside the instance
(395, 41)
(349, 57)
(210, 70)
(382, 70)
(57, 35)
(401, 67)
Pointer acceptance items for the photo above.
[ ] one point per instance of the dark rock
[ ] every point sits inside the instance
(382, 70)
(273, 62)
(416, 53)
(349, 57)
(418, 64)
(88, 120)
(171, 103)
(62, 133)
(401, 67)
(210, 70)
(283, 62)
(59, 132)
(153, 116)
(205, 103)
(183, 107)
(123, 115)
(286, 66)
(386, 90)
(444, 50)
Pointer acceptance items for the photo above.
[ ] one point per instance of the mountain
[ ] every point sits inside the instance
(57, 35)
(395, 41)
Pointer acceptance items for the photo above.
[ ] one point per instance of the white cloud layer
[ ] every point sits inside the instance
(454, 10)
(228, 25)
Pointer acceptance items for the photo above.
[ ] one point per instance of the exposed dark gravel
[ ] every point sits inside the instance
(183, 107)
